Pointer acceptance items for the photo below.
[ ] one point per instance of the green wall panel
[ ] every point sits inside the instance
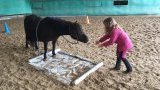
(78, 7)
(93, 7)
(11, 7)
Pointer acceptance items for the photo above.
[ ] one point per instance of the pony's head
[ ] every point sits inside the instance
(76, 32)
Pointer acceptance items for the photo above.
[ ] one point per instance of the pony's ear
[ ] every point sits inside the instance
(76, 22)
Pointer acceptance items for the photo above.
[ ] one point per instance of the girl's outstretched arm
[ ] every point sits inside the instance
(104, 37)
(111, 41)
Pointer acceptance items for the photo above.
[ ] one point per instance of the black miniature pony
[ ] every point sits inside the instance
(50, 29)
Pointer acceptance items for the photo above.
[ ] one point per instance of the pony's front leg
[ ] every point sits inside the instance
(45, 50)
(27, 41)
(36, 46)
(26, 44)
(53, 46)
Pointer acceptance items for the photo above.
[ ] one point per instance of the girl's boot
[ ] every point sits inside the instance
(118, 64)
(128, 66)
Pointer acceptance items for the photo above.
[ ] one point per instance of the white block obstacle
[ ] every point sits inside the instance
(67, 68)
(3, 18)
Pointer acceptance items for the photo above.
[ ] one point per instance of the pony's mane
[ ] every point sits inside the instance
(61, 20)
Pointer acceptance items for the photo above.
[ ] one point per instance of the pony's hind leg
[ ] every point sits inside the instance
(45, 50)
(53, 48)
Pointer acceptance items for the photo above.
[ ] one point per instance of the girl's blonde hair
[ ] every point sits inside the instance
(110, 22)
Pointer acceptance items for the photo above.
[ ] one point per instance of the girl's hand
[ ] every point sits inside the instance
(100, 45)
(97, 42)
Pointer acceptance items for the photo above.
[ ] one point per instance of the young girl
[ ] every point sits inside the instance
(115, 34)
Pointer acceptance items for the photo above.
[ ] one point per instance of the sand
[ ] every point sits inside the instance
(17, 74)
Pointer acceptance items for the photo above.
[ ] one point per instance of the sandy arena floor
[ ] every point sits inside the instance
(17, 74)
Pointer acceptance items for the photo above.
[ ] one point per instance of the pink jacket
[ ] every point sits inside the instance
(118, 36)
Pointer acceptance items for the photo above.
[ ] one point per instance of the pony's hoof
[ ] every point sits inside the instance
(44, 59)
(36, 48)
(53, 55)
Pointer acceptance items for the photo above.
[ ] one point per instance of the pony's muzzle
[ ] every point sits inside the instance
(84, 38)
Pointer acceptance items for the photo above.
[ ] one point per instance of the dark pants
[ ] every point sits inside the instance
(125, 61)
